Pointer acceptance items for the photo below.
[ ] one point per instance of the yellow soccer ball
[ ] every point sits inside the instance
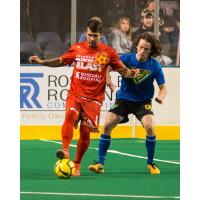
(64, 168)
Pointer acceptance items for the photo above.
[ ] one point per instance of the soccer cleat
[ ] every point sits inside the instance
(96, 167)
(153, 168)
(62, 154)
(77, 169)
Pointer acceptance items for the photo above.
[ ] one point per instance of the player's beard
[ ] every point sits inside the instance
(93, 44)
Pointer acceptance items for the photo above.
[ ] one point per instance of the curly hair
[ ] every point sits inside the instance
(156, 47)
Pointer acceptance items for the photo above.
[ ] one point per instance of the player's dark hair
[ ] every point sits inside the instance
(95, 26)
(148, 2)
(156, 47)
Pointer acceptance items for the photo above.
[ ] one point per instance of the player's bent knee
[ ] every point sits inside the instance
(107, 128)
(111, 121)
(149, 128)
(148, 125)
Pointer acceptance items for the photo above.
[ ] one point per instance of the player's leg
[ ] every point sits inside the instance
(82, 146)
(104, 142)
(148, 123)
(144, 114)
(117, 114)
(89, 123)
(71, 117)
(105, 139)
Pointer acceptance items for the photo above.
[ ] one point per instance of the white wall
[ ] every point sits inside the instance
(169, 112)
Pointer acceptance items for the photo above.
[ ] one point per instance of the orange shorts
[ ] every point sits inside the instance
(87, 109)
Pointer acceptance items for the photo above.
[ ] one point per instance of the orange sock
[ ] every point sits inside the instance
(83, 142)
(67, 130)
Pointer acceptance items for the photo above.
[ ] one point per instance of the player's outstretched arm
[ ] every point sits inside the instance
(161, 94)
(129, 73)
(55, 62)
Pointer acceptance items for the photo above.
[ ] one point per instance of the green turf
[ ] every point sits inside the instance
(123, 175)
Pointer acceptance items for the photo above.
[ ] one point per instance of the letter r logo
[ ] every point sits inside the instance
(29, 90)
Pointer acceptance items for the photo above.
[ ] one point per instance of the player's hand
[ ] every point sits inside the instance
(158, 100)
(35, 59)
(135, 72)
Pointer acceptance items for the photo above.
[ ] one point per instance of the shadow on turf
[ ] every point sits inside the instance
(48, 176)
(118, 173)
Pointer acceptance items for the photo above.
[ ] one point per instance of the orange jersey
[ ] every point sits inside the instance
(90, 66)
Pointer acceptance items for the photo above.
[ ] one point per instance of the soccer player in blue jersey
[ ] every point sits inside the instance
(135, 97)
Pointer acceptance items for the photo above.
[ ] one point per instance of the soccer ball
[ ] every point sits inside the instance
(64, 168)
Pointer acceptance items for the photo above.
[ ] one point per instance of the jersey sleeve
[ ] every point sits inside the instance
(115, 61)
(68, 57)
(159, 75)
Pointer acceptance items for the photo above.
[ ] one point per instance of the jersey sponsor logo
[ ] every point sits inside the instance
(87, 63)
(148, 106)
(29, 90)
(142, 76)
(92, 63)
(88, 66)
(88, 76)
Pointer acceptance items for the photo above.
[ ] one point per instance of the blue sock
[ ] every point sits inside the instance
(104, 144)
(150, 145)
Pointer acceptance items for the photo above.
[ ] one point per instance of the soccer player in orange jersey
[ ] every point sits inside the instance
(91, 59)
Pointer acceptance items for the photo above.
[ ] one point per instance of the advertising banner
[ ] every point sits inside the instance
(43, 91)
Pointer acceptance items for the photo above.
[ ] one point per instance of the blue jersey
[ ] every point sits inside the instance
(142, 90)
